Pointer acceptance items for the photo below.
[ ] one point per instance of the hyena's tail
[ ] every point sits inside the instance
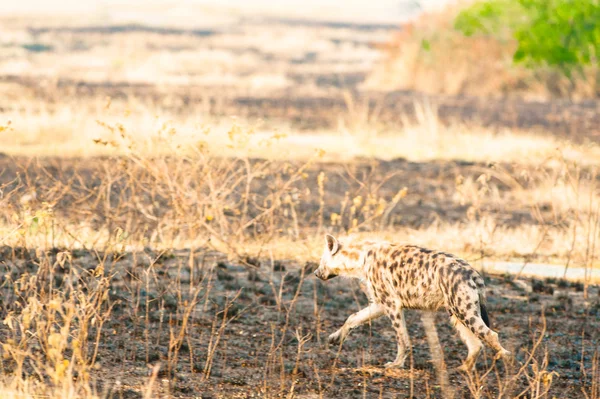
(484, 314)
(482, 300)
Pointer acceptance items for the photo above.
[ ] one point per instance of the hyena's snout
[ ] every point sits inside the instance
(324, 274)
(319, 273)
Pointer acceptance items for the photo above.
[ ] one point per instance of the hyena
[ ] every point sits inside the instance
(396, 277)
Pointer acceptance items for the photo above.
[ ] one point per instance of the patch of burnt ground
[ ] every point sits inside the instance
(277, 318)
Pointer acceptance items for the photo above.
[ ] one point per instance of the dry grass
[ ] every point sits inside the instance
(558, 188)
(550, 174)
(70, 130)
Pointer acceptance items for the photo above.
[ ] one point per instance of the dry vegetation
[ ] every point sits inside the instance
(160, 242)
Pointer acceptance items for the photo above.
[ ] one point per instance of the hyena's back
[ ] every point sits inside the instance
(412, 277)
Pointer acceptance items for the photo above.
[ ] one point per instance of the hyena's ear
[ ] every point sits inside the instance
(332, 244)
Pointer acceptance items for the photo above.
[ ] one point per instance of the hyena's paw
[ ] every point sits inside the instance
(502, 354)
(394, 365)
(335, 338)
(466, 367)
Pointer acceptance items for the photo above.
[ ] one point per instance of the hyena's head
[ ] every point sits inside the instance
(337, 261)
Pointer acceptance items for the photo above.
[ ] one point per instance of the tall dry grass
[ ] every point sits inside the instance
(143, 202)
(176, 183)
(70, 129)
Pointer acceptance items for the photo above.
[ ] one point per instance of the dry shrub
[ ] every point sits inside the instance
(54, 315)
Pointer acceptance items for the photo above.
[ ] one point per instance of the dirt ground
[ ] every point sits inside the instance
(260, 329)
(270, 308)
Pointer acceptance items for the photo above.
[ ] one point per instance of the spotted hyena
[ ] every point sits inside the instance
(397, 277)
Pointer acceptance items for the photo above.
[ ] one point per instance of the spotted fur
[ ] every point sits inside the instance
(396, 277)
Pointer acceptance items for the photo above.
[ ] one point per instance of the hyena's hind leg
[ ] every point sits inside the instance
(472, 323)
(491, 338)
(473, 343)
(484, 330)
(478, 328)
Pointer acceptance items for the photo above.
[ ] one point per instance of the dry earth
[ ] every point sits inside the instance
(258, 350)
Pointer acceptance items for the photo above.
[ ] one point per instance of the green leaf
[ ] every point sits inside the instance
(426, 45)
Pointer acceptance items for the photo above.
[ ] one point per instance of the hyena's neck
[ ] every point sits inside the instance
(369, 253)
(354, 261)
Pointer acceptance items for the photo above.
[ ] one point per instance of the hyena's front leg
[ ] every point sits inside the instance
(371, 312)
(403, 338)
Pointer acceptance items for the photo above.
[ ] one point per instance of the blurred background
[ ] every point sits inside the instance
(385, 11)
(297, 65)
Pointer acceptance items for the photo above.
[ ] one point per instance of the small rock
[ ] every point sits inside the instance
(578, 286)
(534, 298)
(223, 275)
(562, 283)
(222, 265)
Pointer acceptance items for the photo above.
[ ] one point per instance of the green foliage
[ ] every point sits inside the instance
(493, 17)
(426, 45)
(558, 33)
